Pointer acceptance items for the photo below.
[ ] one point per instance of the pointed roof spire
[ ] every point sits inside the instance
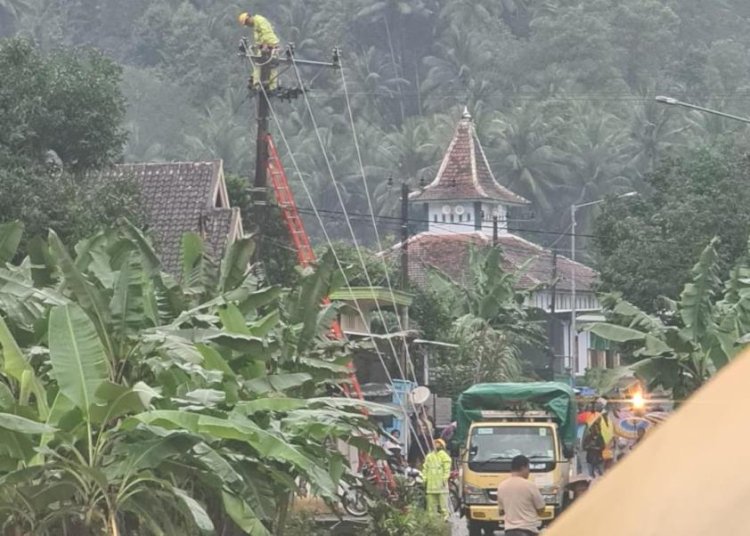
(465, 173)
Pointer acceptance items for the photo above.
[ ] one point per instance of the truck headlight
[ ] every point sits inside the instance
(550, 495)
(475, 495)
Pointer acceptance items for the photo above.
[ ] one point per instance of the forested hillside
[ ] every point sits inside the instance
(561, 90)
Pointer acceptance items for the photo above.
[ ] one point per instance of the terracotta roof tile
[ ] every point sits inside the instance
(450, 254)
(179, 197)
(465, 173)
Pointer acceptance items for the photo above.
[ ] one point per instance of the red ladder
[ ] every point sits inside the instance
(306, 257)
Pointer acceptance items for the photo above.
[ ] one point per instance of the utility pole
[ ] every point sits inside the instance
(573, 328)
(265, 89)
(405, 271)
(553, 320)
(404, 236)
(494, 231)
(261, 146)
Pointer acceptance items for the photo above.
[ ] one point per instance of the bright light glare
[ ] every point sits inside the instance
(638, 402)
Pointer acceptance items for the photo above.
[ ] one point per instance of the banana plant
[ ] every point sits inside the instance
(134, 403)
(693, 337)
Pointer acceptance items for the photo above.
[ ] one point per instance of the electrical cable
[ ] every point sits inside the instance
(320, 221)
(409, 362)
(396, 220)
(324, 153)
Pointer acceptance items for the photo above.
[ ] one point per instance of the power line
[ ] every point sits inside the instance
(351, 229)
(394, 220)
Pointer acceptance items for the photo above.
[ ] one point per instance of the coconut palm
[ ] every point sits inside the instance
(653, 132)
(520, 148)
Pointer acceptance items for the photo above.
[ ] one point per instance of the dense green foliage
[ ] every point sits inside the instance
(61, 115)
(489, 322)
(130, 404)
(562, 91)
(646, 245)
(691, 338)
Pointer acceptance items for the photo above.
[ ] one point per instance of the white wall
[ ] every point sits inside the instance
(581, 363)
(585, 301)
(453, 222)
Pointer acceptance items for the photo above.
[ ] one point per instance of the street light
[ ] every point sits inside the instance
(670, 101)
(573, 223)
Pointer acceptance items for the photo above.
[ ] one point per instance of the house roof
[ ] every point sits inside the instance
(465, 173)
(182, 197)
(449, 252)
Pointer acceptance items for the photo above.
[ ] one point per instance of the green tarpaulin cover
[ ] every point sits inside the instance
(557, 398)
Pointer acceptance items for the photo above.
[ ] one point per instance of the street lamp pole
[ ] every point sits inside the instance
(674, 102)
(573, 306)
(573, 330)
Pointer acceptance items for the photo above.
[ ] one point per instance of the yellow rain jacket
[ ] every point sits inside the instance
(263, 33)
(437, 471)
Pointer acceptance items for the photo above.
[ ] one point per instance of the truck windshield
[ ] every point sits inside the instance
(503, 443)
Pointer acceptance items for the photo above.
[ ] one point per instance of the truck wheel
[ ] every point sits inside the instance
(479, 528)
(475, 528)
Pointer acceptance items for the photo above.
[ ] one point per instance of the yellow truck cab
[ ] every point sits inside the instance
(497, 422)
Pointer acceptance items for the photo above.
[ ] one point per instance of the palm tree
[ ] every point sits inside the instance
(523, 156)
(460, 72)
(10, 12)
(596, 154)
(221, 135)
(652, 133)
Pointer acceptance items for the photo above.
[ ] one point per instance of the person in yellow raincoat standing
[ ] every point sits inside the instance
(607, 430)
(437, 471)
(265, 41)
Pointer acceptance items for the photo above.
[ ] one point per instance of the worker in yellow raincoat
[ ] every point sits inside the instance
(265, 44)
(437, 471)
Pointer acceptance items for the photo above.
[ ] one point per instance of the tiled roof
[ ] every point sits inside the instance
(219, 225)
(178, 198)
(465, 173)
(449, 252)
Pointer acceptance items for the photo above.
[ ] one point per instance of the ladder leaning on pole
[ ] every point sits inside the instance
(306, 257)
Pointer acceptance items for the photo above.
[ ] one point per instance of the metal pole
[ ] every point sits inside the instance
(674, 102)
(553, 320)
(494, 231)
(573, 331)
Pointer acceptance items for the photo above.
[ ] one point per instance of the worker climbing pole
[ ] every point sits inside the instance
(264, 83)
(265, 57)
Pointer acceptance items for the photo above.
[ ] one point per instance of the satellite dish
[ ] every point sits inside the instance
(446, 209)
(420, 395)
(459, 210)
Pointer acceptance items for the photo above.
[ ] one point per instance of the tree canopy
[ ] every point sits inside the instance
(562, 91)
(646, 245)
(62, 114)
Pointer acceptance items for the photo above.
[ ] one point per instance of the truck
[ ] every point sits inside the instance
(498, 421)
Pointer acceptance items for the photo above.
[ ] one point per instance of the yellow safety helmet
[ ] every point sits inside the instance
(244, 17)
